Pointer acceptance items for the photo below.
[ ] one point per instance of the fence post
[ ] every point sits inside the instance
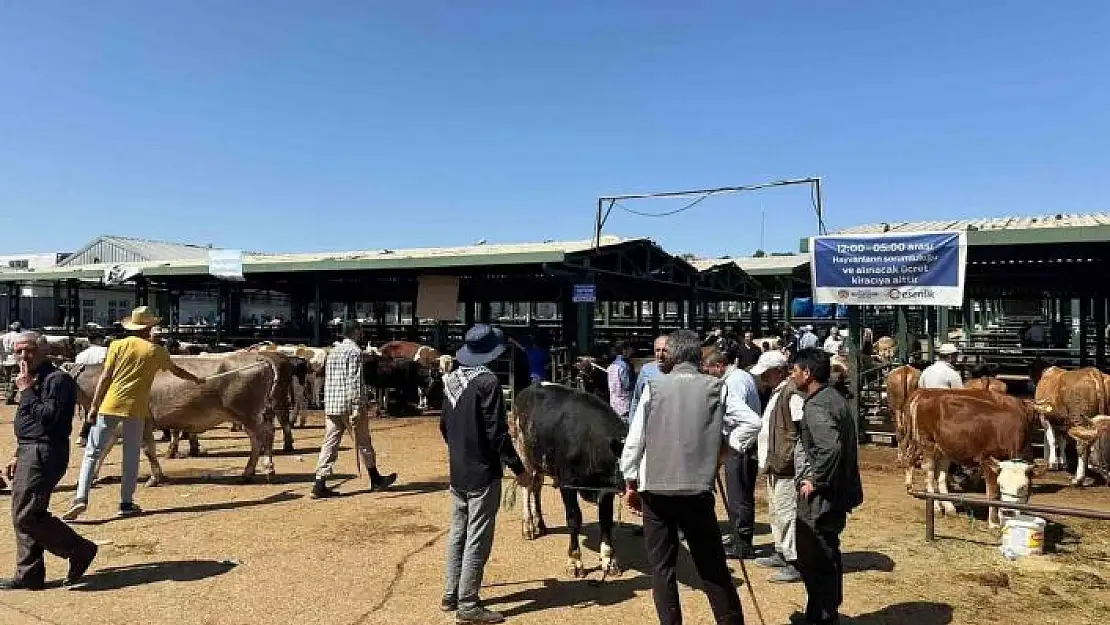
(930, 520)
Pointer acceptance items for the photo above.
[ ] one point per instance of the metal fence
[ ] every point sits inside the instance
(983, 502)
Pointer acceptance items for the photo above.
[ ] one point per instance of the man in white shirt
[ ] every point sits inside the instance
(94, 354)
(942, 373)
(741, 429)
(833, 342)
(7, 350)
(807, 338)
(782, 460)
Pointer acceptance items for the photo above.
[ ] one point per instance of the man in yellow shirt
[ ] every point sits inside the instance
(123, 398)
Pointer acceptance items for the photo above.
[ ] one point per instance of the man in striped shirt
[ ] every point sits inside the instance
(619, 375)
(345, 402)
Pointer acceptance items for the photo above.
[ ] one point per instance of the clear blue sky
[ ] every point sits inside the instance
(298, 126)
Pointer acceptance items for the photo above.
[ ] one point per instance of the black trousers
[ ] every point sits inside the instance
(664, 516)
(741, 473)
(817, 539)
(39, 468)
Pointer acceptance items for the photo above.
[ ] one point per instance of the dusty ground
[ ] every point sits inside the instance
(210, 552)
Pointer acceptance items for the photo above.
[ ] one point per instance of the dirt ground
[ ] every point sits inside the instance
(208, 551)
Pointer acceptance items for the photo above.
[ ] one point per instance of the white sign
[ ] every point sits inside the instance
(226, 264)
(118, 274)
(584, 294)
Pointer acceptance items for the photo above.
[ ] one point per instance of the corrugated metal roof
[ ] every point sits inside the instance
(705, 264)
(772, 265)
(989, 223)
(110, 249)
(566, 247)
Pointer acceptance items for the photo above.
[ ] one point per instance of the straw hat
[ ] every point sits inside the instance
(140, 319)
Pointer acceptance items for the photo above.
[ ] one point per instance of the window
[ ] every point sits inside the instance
(19, 264)
(88, 310)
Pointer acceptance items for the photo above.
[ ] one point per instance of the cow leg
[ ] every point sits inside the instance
(929, 467)
(609, 564)
(194, 445)
(1082, 449)
(261, 435)
(574, 528)
(157, 476)
(286, 420)
(533, 518)
(1054, 457)
(991, 476)
(175, 443)
(942, 484)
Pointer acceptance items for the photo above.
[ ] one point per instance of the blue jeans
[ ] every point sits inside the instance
(469, 542)
(99, 438)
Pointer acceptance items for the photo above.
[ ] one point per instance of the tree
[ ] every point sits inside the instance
(759, 254)
(688, 256)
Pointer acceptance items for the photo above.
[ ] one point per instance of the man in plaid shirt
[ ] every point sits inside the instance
(345, 402)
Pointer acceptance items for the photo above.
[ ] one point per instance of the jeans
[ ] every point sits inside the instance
(99, 439)
(469, 542)
(664, 516)
(741, 472)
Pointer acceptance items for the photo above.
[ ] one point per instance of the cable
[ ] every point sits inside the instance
(663, 214)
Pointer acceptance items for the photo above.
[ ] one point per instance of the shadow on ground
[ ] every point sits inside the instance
(117, 577)
(915, 612)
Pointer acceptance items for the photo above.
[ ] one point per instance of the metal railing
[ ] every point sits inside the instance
(983, 502)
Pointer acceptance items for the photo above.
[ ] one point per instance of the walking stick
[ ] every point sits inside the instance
(743, 568)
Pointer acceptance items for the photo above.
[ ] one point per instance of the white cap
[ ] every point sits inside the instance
(771, 359)
(948, 349)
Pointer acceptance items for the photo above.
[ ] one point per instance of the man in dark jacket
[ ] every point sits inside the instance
(476, 430)
(829, 486)
(43, 423)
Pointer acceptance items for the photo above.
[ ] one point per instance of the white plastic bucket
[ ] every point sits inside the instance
(1023, 535)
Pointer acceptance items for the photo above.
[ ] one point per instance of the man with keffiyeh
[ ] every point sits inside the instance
(476, 430)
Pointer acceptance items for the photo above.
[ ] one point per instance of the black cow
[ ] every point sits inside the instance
(577, 439)
(403, 375)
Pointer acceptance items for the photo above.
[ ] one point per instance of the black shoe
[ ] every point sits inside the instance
(129, 510)
(479, 615)
(320, 490)
(79, 563)
(12, 584)
(450, 603)
(740, 551)
(383, 482)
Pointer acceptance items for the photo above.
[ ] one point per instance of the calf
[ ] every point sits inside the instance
(576, 439)
(402, 374)
(973, 428)
(1065, 400)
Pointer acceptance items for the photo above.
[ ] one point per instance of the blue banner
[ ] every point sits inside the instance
(916, 269)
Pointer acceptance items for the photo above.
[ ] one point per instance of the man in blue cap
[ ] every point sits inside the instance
(476, 429)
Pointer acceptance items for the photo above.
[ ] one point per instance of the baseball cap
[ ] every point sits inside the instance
(772, 359)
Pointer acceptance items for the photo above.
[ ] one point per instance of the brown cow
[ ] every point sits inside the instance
(241, 397)
(1068, 399)
(900, 384)
(973, 428)
(987, 383)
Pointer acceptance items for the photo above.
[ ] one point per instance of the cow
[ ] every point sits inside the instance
(1065, 400)
(987, 383)
(428, 357)
(900, 384)
(405, 375)
(1093, 443)
(576, 439)
(973, 428)
(242, 396)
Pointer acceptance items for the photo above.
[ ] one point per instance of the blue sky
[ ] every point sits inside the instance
(298, 126)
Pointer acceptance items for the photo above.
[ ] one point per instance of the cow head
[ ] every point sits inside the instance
(446, 363)
(1014, 478)
(1096, 438)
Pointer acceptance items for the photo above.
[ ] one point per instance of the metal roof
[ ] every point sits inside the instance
(414, 258)
(988, 223)
(774, 265)
(110, 249)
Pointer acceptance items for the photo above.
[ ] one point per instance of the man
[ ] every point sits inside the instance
(43, 423)
(807, 339)
(788, 340)
(833, 342)
(345, 403)
(619, 376)
(7, 350)
(648, 371)
(94, 354)
(122, 398)
(741, 431)
(673, 483)
(749, 351)
(475, 428)
(780, 459)
(942, 373)
(829, 487)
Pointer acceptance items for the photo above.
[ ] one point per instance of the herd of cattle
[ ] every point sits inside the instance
(982, 428)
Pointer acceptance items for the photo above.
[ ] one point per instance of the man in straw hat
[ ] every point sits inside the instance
(942, 373)
(123, 398)
(476, 430)
(345, 407)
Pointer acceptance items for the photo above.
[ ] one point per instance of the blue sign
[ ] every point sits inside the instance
(584, 294)
(916, 269)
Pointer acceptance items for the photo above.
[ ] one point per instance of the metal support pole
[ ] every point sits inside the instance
(319, 321)
(854, 334)
(1100, 331)
(930, 521)
(1084, 323)
(14, 293)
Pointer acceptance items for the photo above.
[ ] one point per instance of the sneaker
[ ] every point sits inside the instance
(14, 584)
(321, 491)
(385, 482)
(77, 509)
(774, 562)
(478, 615)
(786, 575)
(79, 563)
(450, 603)
(740, 551)
(129, 510)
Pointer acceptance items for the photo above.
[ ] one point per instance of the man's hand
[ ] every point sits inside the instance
(24, 380)
(632, 498)
(807, 490)
(523, 479)
(9, 470)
